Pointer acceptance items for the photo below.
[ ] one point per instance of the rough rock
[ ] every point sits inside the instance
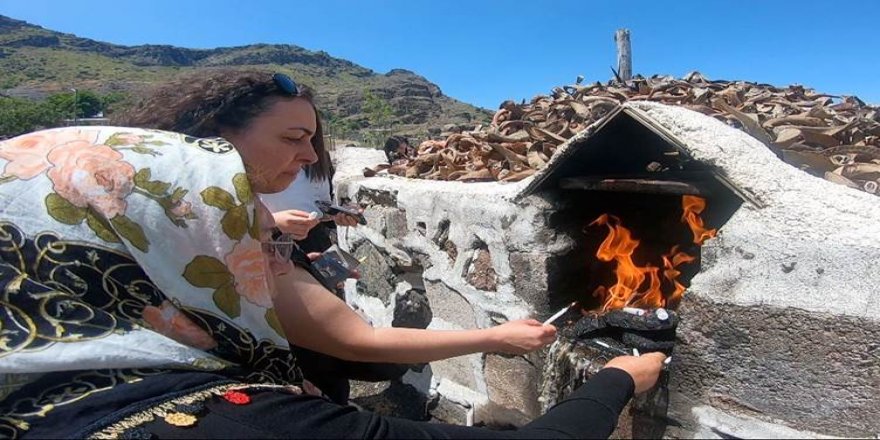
(523, 399)
(449, 305)
(480, 272)
(818, 372)
(376, 275)
(412, 310)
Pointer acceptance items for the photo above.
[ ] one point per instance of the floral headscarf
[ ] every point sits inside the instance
(129, 248)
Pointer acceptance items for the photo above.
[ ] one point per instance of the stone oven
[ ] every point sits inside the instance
(631, 177)
(779, 327)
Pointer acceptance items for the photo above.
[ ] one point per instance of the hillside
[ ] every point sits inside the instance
(36, 62)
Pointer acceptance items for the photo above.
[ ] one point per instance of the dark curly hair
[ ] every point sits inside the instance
(391, 146)
(206, 103)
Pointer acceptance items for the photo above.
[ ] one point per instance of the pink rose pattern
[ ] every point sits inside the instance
(181, 209)
(88, 174)
(249, 267)
(169, 321)
(92, 175)
(85, 173)
(28, 155)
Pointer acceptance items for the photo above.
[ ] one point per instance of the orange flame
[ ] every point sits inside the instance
(619, 247)
(637, 286)
(671, 273)
(693, 206)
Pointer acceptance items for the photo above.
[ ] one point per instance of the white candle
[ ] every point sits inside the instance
(559, 313)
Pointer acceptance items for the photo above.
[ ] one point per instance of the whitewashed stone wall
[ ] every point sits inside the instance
(466, 252)
(781, 328)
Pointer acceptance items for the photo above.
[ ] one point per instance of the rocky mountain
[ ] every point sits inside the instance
(36, 62)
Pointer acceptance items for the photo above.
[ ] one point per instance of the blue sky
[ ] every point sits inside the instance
(484, 52)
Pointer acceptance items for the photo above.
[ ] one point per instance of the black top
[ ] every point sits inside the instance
(591, 412)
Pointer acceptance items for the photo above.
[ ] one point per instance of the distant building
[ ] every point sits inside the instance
(87, 121)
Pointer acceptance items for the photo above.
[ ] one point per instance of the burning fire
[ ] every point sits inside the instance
(693, 206)
(640, 286)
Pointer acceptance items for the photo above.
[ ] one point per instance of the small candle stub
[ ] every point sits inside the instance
(634, 311)
(662, 314)
(559, 313)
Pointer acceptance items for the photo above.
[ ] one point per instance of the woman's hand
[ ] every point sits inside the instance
(522, 336)
(295, 222)
(644, 369)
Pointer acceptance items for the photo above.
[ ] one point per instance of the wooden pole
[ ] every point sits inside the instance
(624, 54)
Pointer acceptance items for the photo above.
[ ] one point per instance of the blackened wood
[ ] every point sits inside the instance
(632, 185)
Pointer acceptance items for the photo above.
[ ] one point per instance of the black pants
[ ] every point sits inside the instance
(591, 412)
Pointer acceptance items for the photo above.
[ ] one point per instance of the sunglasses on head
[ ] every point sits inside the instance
(286, 84)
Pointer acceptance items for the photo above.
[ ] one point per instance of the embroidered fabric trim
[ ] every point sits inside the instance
(169, 407)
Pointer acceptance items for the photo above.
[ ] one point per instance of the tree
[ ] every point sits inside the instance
(114, 101)
(18, 116)
(88, 103)
(380, 114)
(377, 109)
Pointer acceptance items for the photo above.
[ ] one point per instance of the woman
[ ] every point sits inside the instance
(138, 300)
(272, 113)
(296, 213)
(296, 209)
(397, 148)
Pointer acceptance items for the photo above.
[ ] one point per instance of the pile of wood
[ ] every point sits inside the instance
(834, 137)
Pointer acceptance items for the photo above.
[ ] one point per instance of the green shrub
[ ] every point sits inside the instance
(18, 116)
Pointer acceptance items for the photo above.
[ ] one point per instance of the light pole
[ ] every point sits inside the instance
(75, 99)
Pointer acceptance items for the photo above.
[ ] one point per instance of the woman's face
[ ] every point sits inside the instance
(277, 144)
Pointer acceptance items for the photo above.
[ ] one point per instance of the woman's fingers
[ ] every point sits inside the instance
(644, 369)
(523, 336)
(295, 222)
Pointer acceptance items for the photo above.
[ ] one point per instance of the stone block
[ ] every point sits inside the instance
(529, 276)
(390, 222)
(449, 305)
(444, 410)
(512, 383)
(412, 310)
(376, 219)
(372, 197)
(395, 221)
(481, 274)
(460, 370)
(441, 239)
(451, 251)
(376, 274)
(399, 258)
(815, 372)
